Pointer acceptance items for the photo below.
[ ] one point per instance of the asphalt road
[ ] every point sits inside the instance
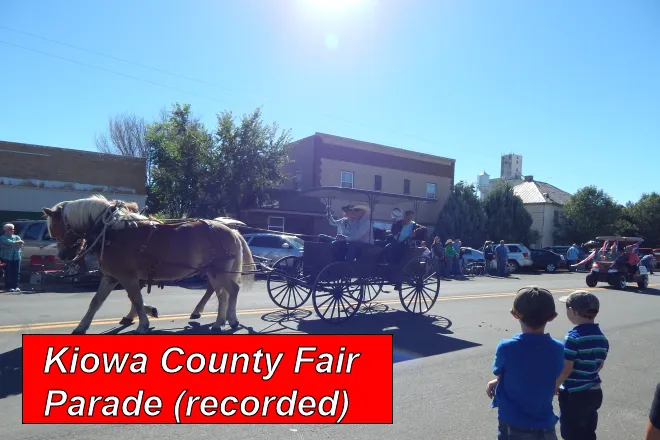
(442, 361)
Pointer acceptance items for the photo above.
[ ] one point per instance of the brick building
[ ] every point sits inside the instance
(322, 160)
(33, 177)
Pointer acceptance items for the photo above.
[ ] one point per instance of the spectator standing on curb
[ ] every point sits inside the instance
(11, 247)
(439, 255)
(502, 256)
(572, 256)
(450, 256)
(489, 256)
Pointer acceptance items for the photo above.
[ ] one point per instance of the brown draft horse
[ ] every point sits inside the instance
(132, 248)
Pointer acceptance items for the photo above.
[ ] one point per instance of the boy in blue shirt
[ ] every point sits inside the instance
(585, 351)
(527, 367)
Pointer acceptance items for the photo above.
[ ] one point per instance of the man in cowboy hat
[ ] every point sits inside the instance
(360, 232)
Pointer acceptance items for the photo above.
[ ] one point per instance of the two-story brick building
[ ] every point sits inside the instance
(323, 160)
(33, 177)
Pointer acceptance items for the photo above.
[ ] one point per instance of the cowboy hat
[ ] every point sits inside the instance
(362, 208)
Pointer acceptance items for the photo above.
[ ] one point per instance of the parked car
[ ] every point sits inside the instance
(40, 250)
(519, 256)
(274, 246)
(472, 255)
(543, 259)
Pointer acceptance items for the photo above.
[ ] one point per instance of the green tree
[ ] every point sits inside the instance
(462, 217)
(245, 162)
(506, 217)
(178, 149)
(643, 218)
(590, 212)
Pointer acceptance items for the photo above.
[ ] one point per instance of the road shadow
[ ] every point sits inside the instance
(11, 373)
(414, 336)
(649, 291)
(634, 289)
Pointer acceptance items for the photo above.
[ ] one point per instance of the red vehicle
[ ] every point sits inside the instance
(609, 265)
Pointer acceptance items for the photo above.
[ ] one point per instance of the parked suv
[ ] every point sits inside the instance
(40, 249)
(519, 256)
(274, 246)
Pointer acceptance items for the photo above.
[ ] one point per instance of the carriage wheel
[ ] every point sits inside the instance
(337, 292)
(419, 288)
(286, 284)
(371, 288)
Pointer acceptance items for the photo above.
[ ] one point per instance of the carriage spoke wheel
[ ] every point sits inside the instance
(419, 288)
(337, 293)
(371, 287)
(286, 284)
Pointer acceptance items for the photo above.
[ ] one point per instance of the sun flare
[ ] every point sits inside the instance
(332, 6)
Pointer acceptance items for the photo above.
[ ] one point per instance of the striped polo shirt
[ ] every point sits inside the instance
(587, 347)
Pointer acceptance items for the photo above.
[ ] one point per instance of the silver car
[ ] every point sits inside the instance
(274, 246)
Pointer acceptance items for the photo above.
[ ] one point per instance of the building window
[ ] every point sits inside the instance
(431, 191)
(276, 224)
(406, 186)
(297, 180)
(378, 183)
(347, 179)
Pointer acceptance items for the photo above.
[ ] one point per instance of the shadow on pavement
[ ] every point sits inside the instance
(11, 373)
(414, 336)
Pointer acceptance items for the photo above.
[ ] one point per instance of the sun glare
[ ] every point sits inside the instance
(332, 6)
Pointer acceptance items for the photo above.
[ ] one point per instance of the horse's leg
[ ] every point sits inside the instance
(233, 299)
(132, 314)
(199, 308)
(135, 295)
(220, 285)
(106, 286)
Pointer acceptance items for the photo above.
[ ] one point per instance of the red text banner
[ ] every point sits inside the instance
(156, 379)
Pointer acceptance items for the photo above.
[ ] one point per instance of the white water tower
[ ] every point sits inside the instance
(483, 184)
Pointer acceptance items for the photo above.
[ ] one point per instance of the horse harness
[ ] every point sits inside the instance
(143, 249)
(155, 261)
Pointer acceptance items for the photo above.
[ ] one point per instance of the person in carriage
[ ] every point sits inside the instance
(404, 232)
(356, 234)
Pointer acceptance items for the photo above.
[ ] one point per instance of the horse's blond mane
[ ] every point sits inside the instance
(82, 214)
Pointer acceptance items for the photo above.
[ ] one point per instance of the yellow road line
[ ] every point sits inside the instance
(105, 321)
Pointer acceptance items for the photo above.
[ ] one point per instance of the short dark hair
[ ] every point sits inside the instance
(409, 213)
(534, 306)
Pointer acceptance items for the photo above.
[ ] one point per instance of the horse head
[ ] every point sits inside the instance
(69, 243)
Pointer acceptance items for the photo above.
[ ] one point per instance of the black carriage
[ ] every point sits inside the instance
(339, 288)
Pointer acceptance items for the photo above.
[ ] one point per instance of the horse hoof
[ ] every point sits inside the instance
(154, 312)
(78, 331)
(141, 330)
(235, 326)
(195, 315)
(126, 321)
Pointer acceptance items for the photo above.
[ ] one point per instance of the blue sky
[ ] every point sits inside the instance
(572, 86)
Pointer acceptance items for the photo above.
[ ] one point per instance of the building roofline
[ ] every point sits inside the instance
(396, 149)
(47, 147)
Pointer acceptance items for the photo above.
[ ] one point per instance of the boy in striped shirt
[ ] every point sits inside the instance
(585, 351)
